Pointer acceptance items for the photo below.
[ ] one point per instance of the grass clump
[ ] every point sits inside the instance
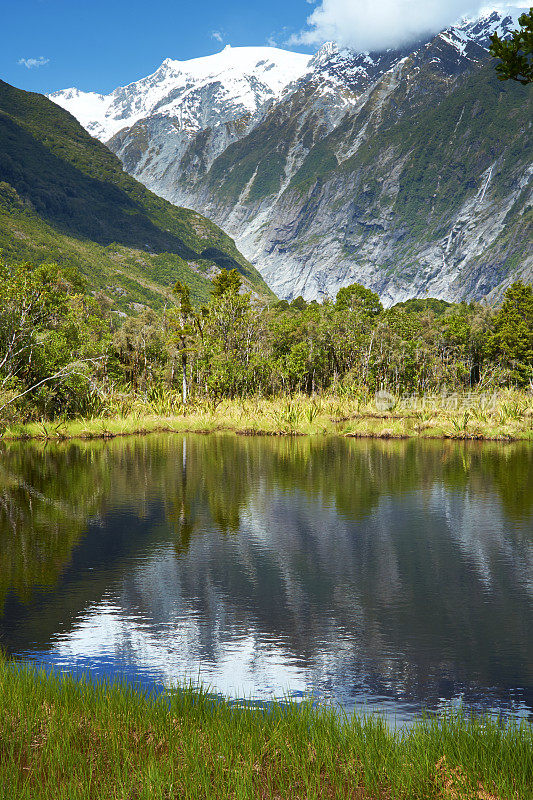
(506, 416)
(63, 737)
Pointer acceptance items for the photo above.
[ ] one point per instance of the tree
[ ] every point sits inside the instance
(52, 339)
(512, 341)
(230, 336)
(184, 322)
(226, 281)
(299, 303)
(516, 53)
(358, 298)
(139, 346)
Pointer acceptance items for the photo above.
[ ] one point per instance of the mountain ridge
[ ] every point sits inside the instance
(247, 77)
(294, 182)
(65, 197)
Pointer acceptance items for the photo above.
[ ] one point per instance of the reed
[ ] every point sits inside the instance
(64, 737)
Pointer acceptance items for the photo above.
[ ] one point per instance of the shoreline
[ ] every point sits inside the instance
(510, 419)
(66, 736)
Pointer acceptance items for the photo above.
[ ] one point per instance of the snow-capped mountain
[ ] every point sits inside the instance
(348, 69)
(480, 29)
(407, 170)
(196, 94)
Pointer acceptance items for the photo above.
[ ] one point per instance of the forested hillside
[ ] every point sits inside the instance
(64, 197)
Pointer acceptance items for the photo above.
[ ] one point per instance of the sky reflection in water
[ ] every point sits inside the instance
(379, 575)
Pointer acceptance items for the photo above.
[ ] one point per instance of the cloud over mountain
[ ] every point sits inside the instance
(380, 24)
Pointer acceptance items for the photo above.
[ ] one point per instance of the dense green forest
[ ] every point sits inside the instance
(65, 353)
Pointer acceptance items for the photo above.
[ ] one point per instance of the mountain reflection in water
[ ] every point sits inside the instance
(390, 575)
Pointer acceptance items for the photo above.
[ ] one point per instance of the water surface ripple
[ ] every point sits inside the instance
(390, 576)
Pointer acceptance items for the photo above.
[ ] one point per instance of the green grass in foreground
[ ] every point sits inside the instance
(64, 738)
(506, 416)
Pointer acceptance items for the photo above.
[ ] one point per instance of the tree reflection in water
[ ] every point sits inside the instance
(392, 570)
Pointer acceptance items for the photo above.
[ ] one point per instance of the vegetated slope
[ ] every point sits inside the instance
(423, 187)
(408, 170)
(65, 197)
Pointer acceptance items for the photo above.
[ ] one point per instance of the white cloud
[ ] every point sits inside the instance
(378, 24)
(218, 36)
(279, 36)
(29, 63)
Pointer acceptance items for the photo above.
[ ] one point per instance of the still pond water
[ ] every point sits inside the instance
(390, 576)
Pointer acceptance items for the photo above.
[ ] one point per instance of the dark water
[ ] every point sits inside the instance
(383, 575)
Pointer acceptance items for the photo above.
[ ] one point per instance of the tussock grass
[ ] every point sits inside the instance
(506, 416)
(67, 738)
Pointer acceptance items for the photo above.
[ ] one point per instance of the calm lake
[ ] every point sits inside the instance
(390, 576)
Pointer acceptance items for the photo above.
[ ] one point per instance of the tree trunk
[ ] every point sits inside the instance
(184, 374)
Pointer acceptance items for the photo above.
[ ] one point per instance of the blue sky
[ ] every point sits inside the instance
(101, 44)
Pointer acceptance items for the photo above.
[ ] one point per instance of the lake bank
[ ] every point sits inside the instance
(506, 416)
(64, 737)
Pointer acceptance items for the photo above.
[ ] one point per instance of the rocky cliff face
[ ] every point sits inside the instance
(169, 127)
(408, 171)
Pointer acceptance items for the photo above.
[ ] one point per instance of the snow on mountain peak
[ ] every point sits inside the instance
(208, 89)
(238, 81)
(324, 53)
(479, 29)
(491, 20)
